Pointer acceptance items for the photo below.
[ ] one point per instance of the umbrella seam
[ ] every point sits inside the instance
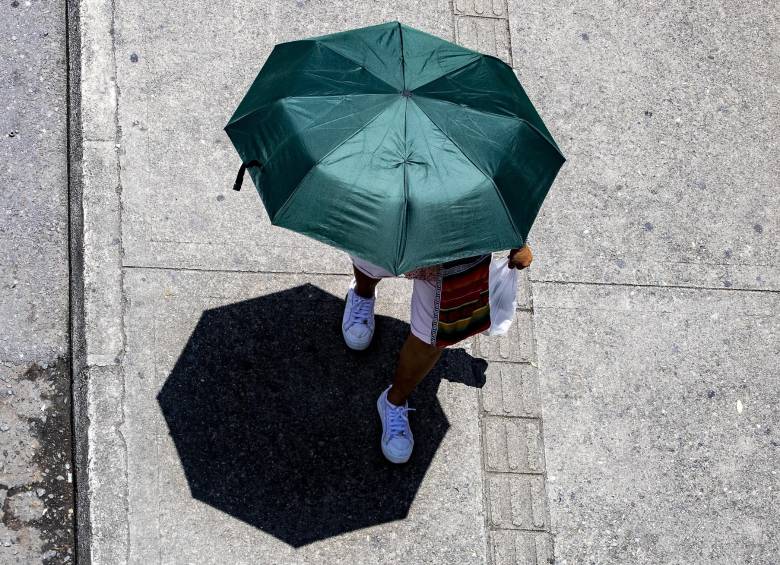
(234, 119)
(284, 206)
(510, 116)
(232, 123)
(455, 70)
(403, 63)
(490, 178)
(401, 245)
(313, 124)
(351, 60)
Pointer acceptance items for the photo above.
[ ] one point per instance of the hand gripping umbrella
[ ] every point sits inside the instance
(394, 145)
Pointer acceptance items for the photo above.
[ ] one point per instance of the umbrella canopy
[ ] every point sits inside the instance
(394, 145)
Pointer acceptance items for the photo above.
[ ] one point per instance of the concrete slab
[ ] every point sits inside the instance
(180, 81)
(661, 423)
(102, 243)
(251, 430)
(668, 125)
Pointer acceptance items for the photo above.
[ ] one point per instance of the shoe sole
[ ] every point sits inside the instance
(353, 346)
(387, 455)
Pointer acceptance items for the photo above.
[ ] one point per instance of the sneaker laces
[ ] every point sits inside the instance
(398, 420)
(361, 309)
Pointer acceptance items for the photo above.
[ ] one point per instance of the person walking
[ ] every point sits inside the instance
(450, 303)
(419, 158)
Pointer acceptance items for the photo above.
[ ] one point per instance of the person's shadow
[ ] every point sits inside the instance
(275, 420)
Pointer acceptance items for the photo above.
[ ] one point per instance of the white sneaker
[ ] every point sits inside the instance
(357, 325)
(397, 440)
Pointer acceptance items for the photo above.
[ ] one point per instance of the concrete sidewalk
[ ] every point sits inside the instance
(227, 420)
(218, 434)
(656, 286)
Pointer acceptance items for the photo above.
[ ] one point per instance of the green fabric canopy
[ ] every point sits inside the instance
(396, 146)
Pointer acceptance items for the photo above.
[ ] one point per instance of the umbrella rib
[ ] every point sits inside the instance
(510, 116)
(487, 176)
(455, 70)
(351, 60)
(270, 103)
(401, 247)
(403, 62)
(289, 198)
(314, 124)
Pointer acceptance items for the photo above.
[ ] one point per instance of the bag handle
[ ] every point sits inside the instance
(242, 170)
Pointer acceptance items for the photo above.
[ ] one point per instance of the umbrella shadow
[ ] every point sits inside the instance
(275, 422)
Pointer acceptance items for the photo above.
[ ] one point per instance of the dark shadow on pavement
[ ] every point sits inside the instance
(275, 420)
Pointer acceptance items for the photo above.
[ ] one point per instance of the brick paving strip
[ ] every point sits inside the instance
(510, 404)
(513, 448)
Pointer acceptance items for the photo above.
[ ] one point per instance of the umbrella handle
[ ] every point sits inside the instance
(242, 170)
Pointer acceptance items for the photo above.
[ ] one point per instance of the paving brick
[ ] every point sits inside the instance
(515, 346)
(511, 389)
(480, 8)
(513, 445)
(512, 547)
(486, 35)
(516, 502)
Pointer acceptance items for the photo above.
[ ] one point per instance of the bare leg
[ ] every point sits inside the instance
(415, 361)
(365, 284)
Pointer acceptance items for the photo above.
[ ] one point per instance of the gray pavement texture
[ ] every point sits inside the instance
(267, 432)
(36, 488)
(655, 288)
(629, 417)
(664, 423)
(667, 111)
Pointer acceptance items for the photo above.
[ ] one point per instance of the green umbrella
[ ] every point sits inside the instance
(394, 145)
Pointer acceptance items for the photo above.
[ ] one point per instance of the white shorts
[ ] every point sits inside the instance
(423, 299)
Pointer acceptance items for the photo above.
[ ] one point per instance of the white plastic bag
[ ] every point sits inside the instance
(503, 296)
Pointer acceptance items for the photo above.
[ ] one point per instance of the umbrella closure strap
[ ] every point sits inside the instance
(242, 170)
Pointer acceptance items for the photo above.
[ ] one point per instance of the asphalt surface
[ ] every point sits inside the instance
(36, 474)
